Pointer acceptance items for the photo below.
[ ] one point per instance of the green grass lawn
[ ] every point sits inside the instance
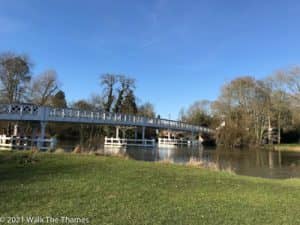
(110, 190)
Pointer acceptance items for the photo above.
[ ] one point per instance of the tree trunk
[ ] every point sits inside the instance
(279, 129)
(269, 130)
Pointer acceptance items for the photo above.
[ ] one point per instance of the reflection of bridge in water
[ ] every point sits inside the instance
(45, 115)
(267, 164)
(180, 155)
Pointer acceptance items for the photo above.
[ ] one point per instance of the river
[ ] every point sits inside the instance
(256, 163)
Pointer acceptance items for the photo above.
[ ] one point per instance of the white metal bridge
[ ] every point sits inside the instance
(44, 115)
(28, 112)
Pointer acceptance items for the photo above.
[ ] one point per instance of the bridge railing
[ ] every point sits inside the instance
(129, 142)
(19, 109)
(49, 113)
(116, 117)
(16, 142)
(176, 142)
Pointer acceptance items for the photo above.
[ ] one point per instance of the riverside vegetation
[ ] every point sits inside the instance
(113, 190)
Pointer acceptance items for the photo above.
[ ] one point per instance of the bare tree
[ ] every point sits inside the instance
(198, 113)
(97, 101)
(280, 102)
(127, 85)
(292, 79)
(109, 81)
(14, 76)
(244, 106)
(44, 87)
(289, 80)
(83, 105)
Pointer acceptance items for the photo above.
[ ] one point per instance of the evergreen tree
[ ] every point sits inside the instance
(59, 100)
(129, 105)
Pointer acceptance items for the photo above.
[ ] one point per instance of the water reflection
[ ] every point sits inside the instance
(256, 163)
(175, 155)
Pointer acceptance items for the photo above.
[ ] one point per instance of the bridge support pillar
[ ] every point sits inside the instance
(143, 132)
(194, 136)
(42, 134)
(123, 133)
(117, 132)
(135, 133)
(43, 130)
(16, 128)
(169, 134)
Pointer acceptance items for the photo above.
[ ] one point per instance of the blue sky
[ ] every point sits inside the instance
(178, 51)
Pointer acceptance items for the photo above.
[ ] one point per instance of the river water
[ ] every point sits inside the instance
(256, 163)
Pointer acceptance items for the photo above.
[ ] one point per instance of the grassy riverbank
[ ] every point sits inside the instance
(288, 147)
(110, 190)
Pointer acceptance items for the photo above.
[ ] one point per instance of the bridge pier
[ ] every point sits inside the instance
(16, 129)
(43, 130)
(169, 134)
(124, 142)
(173, 141)
(135, 133)
(41, 139)
(117, 132)
(143, 132)
(123, 133)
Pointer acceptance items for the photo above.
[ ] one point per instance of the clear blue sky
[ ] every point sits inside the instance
(178, 51)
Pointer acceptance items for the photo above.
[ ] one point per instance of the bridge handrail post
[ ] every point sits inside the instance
(92, 115)
(31, 110)
(21, 110)
(9, 108)
(53, 112)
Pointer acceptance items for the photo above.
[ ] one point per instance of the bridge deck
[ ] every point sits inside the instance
(28, 112)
